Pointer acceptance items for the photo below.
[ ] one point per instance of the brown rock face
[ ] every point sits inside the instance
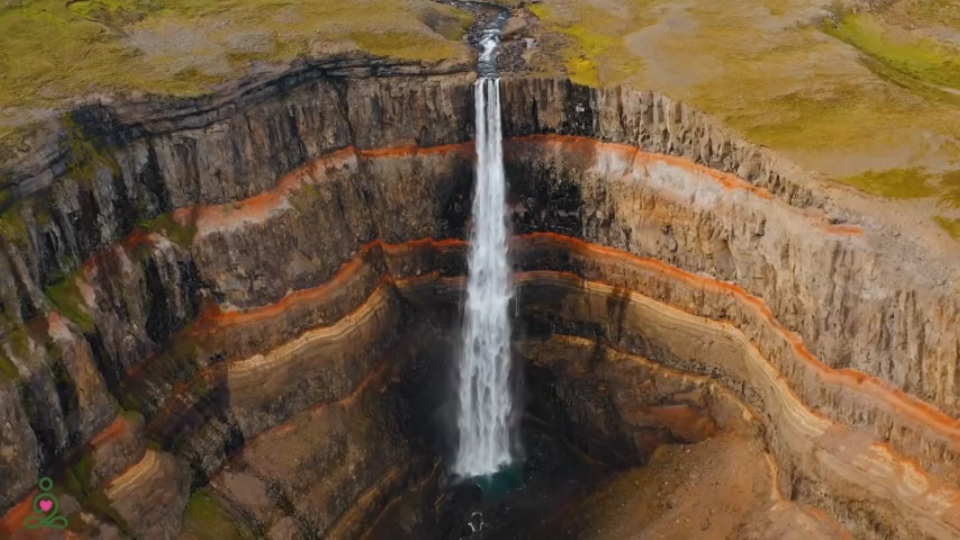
(232, 315)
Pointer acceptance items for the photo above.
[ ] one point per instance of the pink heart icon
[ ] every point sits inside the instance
(46, 505)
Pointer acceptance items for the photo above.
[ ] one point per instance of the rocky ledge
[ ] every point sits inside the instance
(218, 320)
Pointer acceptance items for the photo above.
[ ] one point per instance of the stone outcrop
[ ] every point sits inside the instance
(192, 290)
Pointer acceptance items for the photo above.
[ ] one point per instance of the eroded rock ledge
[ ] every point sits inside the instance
(233, 321)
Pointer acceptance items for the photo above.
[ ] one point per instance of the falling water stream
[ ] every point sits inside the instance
(485, 402)
(509, 479)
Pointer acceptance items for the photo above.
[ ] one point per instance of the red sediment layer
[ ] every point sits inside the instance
(287, 427)
(588, 146)
(268, 200)
(901, 461)
(210, 373)
(118, 427)
(584, 146)
(465, 149)
(214, 316)
(900, 401)
(12, 521)
(131, 242)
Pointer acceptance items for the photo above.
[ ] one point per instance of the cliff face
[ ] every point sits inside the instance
(192, 290)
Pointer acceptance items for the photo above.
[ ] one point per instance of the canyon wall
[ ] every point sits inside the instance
(190, 291)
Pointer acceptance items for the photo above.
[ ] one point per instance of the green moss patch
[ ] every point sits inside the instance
(154, 445)
(950, 225)
(911, 183)
(894, 183)
(88, 156)
(68, 299)
(19, 338)
(302, 200)
(924, 60)
(12, 226)
(182, 235)
(77, 478)
(77, 482)
(204, 519)
(950, 188)
(134, 417)
(7, 369)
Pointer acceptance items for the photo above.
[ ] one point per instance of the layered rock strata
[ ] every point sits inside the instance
(303, 224)
(644, 409)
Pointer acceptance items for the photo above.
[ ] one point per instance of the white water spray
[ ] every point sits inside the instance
(484, 391)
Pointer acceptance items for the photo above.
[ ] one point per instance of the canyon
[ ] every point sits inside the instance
(235, 316)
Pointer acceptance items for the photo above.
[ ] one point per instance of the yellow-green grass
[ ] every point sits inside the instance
(800, 93)
(50, 50)
(909, 183)
(796, 89)
(950, 188)
(867, 107)
(925, 60)
(951, 225)
(596, 54)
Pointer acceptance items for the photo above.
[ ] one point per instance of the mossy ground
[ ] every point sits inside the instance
(68, 299)
(76, 481)
(894, 183)
(912, 183)
(920, 64)
(87, 156)
(950, 225)
(12, 226)
(863, 100)
(7, 369)
(51, 49)
(204, 519)
(165, 224)
(17, 338)
(595, 55)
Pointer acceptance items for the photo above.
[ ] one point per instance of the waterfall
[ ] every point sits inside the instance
(484, 391)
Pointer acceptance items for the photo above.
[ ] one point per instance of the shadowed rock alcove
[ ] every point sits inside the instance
(237, 316)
